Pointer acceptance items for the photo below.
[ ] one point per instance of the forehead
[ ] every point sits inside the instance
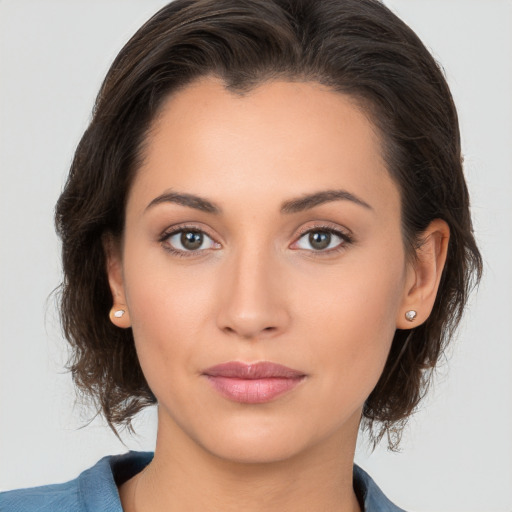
(280, 139)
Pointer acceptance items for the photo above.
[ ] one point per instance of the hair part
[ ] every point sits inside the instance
(356, 47)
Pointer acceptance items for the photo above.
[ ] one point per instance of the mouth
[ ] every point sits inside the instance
(254, 383)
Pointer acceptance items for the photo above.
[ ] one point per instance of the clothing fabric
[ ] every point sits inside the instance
(95, 490)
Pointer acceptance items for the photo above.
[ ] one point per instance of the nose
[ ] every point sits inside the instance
(252, 300)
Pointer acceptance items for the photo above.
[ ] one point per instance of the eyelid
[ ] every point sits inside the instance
(343, 233)
(326, 226)
(177, 228)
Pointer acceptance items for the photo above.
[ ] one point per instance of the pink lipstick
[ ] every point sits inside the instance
(252, 383)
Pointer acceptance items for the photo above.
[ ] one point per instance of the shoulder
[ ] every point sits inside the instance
(370, 494)
(45, 498)
(94, 489)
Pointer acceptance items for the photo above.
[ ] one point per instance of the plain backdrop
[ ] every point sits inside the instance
(457, 451)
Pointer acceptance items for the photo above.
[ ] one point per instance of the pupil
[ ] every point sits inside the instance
(320, 239)
(191, 239)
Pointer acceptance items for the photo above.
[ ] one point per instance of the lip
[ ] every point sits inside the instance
(253, 383)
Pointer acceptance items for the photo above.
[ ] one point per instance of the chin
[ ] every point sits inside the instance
(264, 442)
(256, 451)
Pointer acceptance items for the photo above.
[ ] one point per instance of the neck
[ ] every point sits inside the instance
(184, 476)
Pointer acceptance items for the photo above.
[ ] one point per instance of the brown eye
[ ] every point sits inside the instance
(188, 240)
(191, 240)
(323, 240)
(319, 239)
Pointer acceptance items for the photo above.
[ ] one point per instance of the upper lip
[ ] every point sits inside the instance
(259, 370)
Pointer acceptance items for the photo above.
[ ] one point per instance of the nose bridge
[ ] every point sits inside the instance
(253, 301)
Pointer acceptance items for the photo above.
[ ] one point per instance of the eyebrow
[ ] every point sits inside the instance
(190, 200)
(325, 196)
(299, 204)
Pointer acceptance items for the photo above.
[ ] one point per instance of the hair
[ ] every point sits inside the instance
(356, 47)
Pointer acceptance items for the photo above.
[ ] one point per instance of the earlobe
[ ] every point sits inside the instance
(426, 270)
(119, 314)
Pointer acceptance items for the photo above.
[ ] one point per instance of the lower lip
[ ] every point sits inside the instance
(253, 391)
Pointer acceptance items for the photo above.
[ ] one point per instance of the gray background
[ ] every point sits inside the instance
(457, 452)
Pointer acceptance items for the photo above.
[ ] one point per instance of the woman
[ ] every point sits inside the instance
(266, 231)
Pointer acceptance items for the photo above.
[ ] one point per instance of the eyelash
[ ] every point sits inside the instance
(179, 229)
(346, 238)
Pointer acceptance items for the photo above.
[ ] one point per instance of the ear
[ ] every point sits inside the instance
(424, 275)
(119, 314)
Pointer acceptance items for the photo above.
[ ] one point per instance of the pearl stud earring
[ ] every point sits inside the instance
(119, 313)
(411, 315)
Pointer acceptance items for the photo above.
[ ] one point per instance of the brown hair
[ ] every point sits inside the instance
(356, 47)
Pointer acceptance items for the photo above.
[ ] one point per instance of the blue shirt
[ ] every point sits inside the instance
(95, 490)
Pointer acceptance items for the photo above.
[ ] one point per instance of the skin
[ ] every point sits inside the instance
(258, 290)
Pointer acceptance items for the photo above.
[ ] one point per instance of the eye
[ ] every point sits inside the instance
(322, 240)
(186, 240)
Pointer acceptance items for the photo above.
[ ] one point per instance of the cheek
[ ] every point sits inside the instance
(169, 308)
(352, 320)
(160, 292)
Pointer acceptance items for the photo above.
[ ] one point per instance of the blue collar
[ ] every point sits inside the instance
(96, 489)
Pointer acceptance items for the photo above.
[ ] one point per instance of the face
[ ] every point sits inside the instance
(262, 228)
